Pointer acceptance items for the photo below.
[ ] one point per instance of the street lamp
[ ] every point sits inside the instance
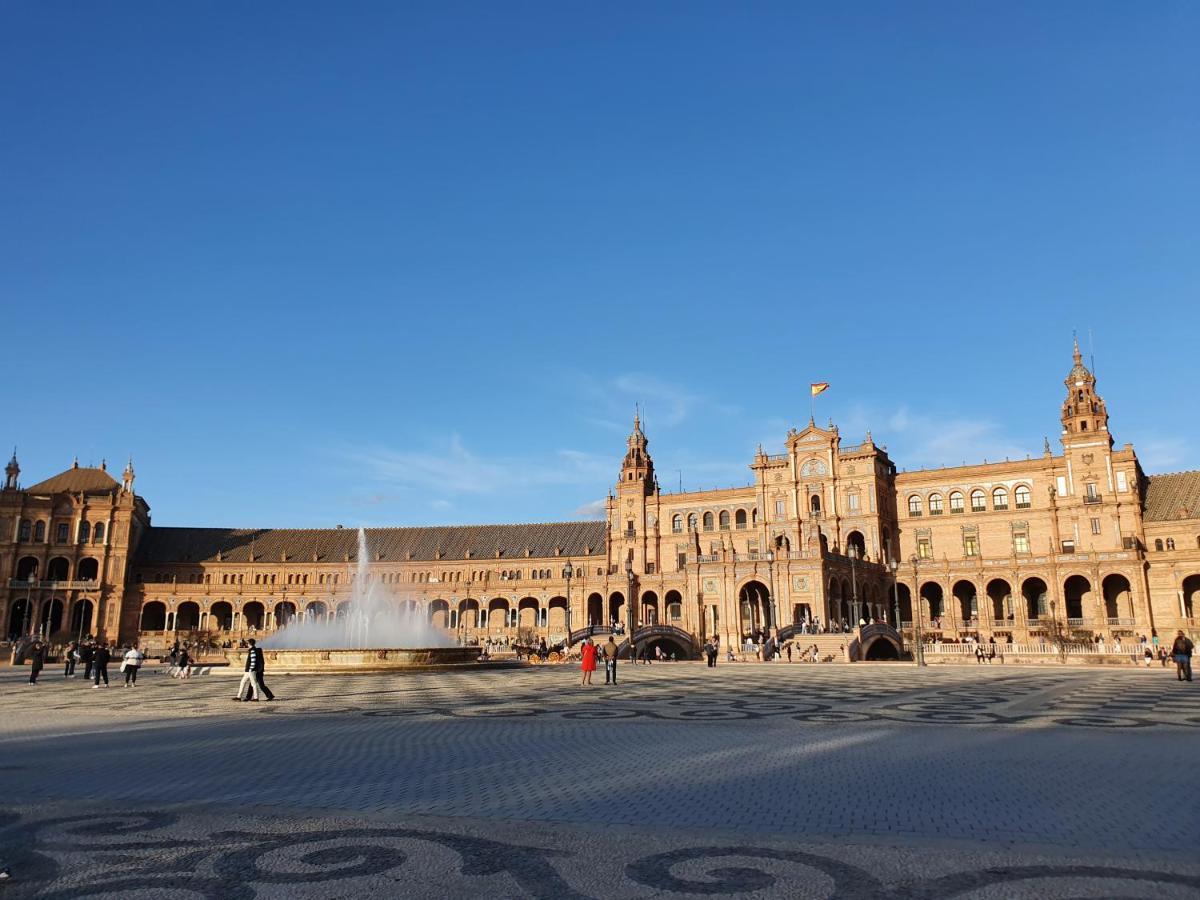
(853, 552)
(771, 592)
(632, 603)
(894, 565)
(919, 655)
(568, 573)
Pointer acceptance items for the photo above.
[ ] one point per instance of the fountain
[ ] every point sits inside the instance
(369, 633)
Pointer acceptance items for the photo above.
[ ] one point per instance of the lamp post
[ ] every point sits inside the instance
(919, 654)
(632, 603)
(853, 552)
(568, 573)
(894, 565)
(771, 592)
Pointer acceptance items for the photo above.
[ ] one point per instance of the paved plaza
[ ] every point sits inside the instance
(750, 780)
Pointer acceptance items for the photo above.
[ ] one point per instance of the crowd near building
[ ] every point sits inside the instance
(827, 535)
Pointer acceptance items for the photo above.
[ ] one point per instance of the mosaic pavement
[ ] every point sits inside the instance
(749, 780)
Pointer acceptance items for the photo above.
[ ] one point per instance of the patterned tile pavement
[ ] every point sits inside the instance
(748, 780)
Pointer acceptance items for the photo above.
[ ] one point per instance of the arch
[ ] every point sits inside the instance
(88, 569)
(50, 616)
(468, 613)
(595, 610)
(978, 500)
(98, 533)
(936, 505)
(528, 612)
(1022, 496)
(933, 599)
(1191, 595)
(676, 523)
(556, 615)
(27, 568)
(999, 592)
(1000, 498)
(58, 569)
(967, 598)
(648, 613)
(187, 616)
(439, 613)
(220, 615)
(958, 502)
(316, 610)
(1118, 597)
(85, 531)
(673, 607)
(904, 595)
(814, 504)
(154, 616)
(253, 615)
(879, 648)
(1037, 599)
(616, 607)
(39, 531)
(692, 522)
(17, 624)
(915, 505)
(708, 521)
(1158, 545)
(1077, 591)
(497, 613)
(82, 614)
(283, 613)
(671, 639)
(856, 541)
(754, 608)
(739, 519)
(23, 530)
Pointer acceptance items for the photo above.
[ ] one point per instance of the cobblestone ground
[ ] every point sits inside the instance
(748, 780)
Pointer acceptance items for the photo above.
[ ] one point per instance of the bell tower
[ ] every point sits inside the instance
(637, 469)
(1084, 414)
(11, 472)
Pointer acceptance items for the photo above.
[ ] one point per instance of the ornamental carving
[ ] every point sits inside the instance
(813, 467)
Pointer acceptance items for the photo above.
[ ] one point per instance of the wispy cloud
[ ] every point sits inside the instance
(664, 403)
(1163, 454)
(597, 509)
(922, 439)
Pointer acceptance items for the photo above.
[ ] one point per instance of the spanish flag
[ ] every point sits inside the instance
(819, 387)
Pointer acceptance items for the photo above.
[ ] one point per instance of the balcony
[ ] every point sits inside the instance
(630, 534)
(1120, 620)
(54, 585)
(1090, 499)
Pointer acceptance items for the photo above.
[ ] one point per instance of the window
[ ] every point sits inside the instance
(852, 501)
(708, 521)
(98, 533)
(23, 530)
(978, 501)
(739, 519)
(935, 504)
(1091, 495)
(924, 548)
(1095, 526)
(914, 505)
(956, 502)
(677, 524)
(85, 532)
(64, 532)
(781, 509)
(692, 522)
(971, 545)
(1020, 543)
(1068, 546)
(680, 561)
(1122, 482)
(1023, 497)
(1000, 499)
(1170, 543)
(675, 611)
(724, 520)
(814, 504)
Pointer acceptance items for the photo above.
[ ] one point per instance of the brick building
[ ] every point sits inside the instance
(1081, 541)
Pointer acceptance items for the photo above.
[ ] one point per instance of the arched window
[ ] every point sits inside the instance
(914, 505)
(98, 533)
(814, 503)
(724, 520)
(957, 502)
(708, 521)
(935, 504)
(1170, 543)
(691, 521)
(85, 531)
(676, 524)
(999, 498)
(739, 519)
(978, 501)
(39, 531)
(23, 530)
(1023, 497)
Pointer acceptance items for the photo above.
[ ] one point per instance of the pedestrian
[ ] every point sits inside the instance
(37, 661)
(789, 651)
(588, 664)
(184, 662)
(86, 654)
(1182, 651)
(1149, 654)
(100, 664)
(250, 685)
(72, 655)
(610, 661)
(131, 664)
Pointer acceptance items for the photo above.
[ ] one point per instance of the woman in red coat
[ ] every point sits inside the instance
(588, 652)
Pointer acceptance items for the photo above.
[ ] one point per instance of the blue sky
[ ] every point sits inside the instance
(415, 263)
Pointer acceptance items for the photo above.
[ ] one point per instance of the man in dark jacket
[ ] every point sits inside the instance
(37, 660)
(1182, 651)
(87, 653)
(252, 681)
(100, 664)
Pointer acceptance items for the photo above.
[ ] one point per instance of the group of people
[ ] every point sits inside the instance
(95, 656)
(589, 652)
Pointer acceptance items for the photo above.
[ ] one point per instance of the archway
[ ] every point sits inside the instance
(1191, 595)
(556, 616)
(905, 596)
(154, 616)
(880, 648)
(754, 609)
(88, 569)
(27, 568)
(17, 616)
(58, 569)
(1077, 590)
(187, 617)
(439, 614)
(999, 593)
(316, 611)
(616, 608)
(595, 610)
(1118, 599)
(468, 613)
(674, 607)
(50, 617)
(81, 617)
(672, 649)
(253, 615)
(967, 600)
(527, 613)
(220, 615)
(1037, 599)
(855, 542)
(284, 612)
(933, 598)
(497, 614)
(649, 604)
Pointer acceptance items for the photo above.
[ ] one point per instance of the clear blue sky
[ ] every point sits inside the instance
(406, 263)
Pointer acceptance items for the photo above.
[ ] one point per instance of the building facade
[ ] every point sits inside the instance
(1080, 542)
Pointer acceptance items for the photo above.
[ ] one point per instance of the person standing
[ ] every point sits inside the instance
(100, 664)
(87, 653)
(610, 661)
(588, 664)
(37, 660)
(72, 654)
(131, 664)
(1182, 651)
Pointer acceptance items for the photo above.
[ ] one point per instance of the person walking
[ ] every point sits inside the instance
(87, 652)
(37, 661)
(1182, 651)
(131, 664)
(100, 664)
(610, 661)
(184, 662)
(72, 652)
(588, 664)
(250, 685)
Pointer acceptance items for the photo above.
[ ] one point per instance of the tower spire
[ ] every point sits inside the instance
(11, 471)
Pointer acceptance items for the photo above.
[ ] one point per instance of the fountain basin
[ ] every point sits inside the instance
(343, 660)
